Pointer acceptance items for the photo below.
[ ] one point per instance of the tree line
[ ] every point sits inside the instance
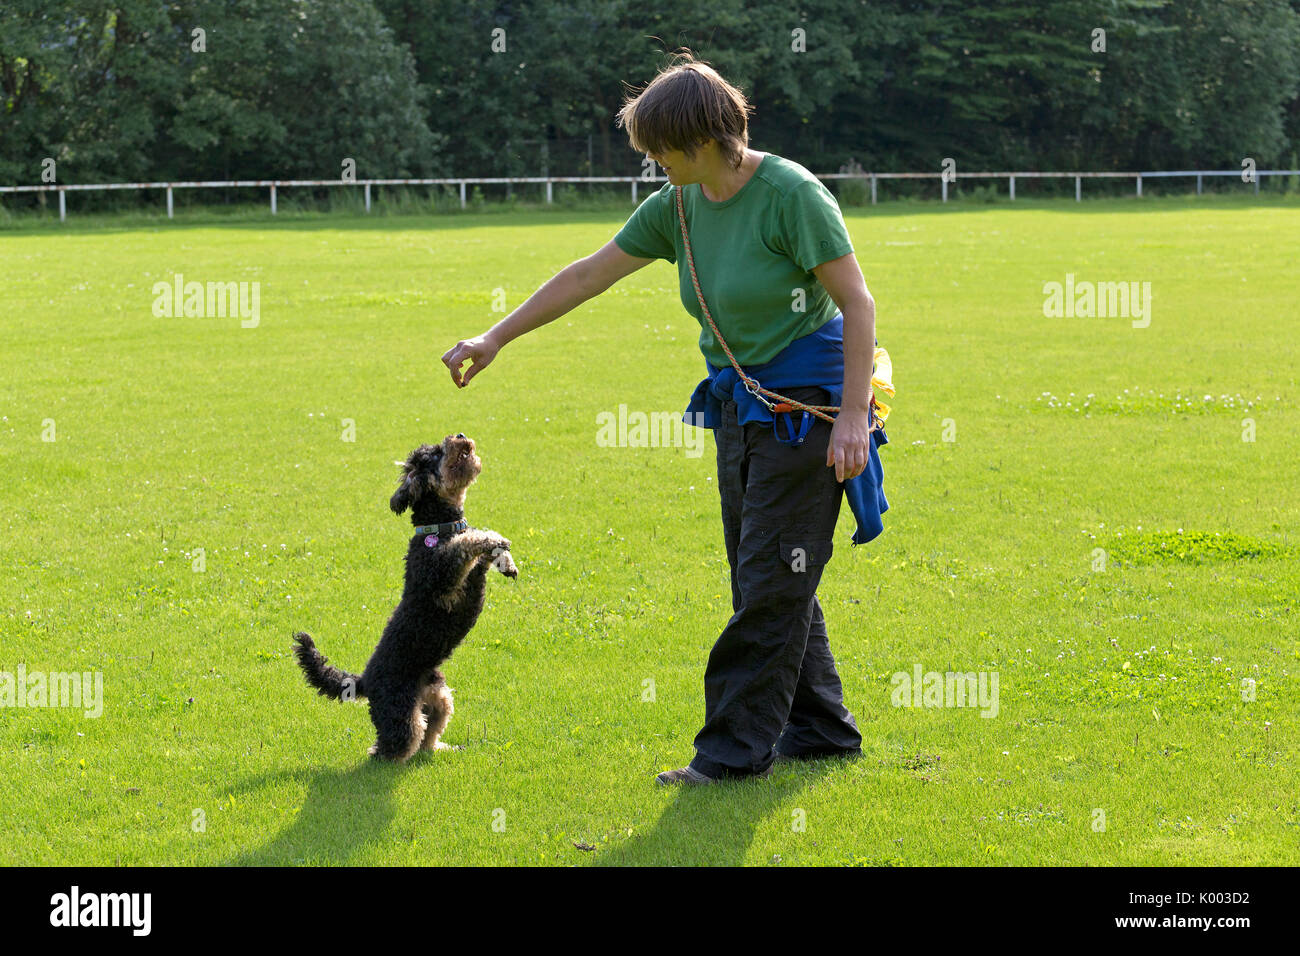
(131, 90)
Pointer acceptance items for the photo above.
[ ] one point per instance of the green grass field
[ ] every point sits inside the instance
(1120, 671)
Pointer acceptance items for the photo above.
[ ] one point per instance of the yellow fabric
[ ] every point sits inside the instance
(882, 380)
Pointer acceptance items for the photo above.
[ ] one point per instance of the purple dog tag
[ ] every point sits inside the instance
(430, 541)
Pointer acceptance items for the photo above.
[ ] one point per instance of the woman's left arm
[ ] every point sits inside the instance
(850, 444)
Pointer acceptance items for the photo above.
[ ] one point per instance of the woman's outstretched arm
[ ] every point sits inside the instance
(566, 290)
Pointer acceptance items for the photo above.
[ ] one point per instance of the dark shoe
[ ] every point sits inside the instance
(691, 777)
(685, 775)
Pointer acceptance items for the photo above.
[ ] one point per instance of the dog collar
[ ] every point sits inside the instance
(447, 527)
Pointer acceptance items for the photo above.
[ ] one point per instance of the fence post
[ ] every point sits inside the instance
(462, 194)
(273, 199)
(1139, 184)
(1013, 188)
(1078, 188)
(944, 179)
(169, 202)
(367, 197)
(873, 189)
(1198, 183)
(634, 192)
(548, 192)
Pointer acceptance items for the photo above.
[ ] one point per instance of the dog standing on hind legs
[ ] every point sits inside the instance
(446, 570)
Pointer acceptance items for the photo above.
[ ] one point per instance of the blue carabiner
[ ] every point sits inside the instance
(792, 437)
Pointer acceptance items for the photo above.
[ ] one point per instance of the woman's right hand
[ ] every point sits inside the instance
(478, 351)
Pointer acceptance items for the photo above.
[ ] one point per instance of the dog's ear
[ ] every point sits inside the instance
(419, 478)
(401, 499)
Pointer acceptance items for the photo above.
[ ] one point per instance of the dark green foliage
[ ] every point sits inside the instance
(113, 90)
(117, 91)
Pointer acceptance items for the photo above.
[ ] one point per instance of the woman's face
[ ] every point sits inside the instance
(679, 169)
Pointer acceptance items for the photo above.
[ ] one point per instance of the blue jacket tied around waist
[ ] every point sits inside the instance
(815, 359)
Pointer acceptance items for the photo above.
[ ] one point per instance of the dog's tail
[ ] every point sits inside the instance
(329, 681)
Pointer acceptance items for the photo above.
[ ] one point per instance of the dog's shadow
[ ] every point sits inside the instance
(712, 826)
(343, 811)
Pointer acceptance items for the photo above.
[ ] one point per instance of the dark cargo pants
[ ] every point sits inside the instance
(771, 684)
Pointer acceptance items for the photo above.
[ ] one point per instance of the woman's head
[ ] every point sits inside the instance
(684, 109)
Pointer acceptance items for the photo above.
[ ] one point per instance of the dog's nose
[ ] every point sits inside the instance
(460, 434)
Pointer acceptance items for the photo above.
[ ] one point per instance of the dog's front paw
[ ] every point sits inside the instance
(503, 562)
(492, 543)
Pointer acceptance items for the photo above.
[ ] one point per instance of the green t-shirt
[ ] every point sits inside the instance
(754, 255)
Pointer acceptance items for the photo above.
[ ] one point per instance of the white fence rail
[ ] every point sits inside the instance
(635, 181)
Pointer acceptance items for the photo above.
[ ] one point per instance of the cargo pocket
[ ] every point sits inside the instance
(805, 552)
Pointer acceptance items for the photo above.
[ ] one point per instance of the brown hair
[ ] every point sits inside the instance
(683, 107)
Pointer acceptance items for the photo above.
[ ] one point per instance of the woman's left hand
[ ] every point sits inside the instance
(850, 445)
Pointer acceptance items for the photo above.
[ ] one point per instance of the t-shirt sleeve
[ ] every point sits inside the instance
(813, 225)
(647, 233)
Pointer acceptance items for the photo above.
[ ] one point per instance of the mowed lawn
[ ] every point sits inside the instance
(1100, 534)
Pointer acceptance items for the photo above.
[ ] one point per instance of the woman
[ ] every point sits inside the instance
(778, 274)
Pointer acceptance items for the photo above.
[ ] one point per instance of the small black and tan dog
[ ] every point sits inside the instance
(446, 569)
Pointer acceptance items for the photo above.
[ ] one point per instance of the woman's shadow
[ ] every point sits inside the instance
(346, 810)
(714, 825)
(342, 811)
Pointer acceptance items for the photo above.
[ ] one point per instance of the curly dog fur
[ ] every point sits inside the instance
(410, 702)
